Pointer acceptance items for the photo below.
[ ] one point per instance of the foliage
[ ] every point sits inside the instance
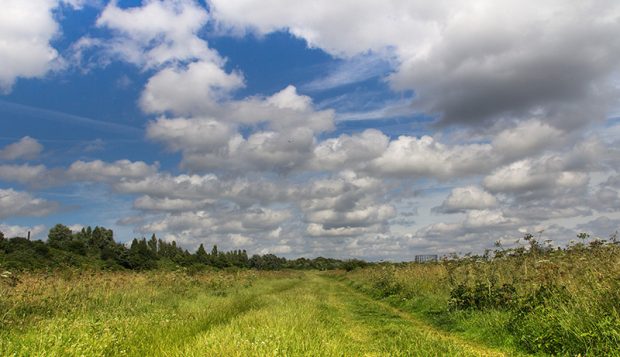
(96, 248)
(536, 299)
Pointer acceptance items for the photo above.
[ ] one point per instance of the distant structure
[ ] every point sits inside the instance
(426, 258)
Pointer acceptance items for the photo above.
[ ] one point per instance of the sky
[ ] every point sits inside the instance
(350, 129)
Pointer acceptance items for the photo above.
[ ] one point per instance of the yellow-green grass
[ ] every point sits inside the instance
(564, 302)
(209, 314)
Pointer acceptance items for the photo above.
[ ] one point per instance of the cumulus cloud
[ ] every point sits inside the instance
(266, 172)
(227, 228)
(466, 61)
(345, 205)
(26, 148)
(528, 137)
(165, 204)
(157, 33)
(25, 174)
(210, 142)
(26, 29)
(204, 84)
(422, 157)
(190, 135)
(350, 151)
(243, 192)
(103, 171)
(534, 175)
(16, 203)
(466, 198)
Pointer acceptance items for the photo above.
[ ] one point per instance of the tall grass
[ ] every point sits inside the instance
(109, 313)
(70, 313)
(557, 301)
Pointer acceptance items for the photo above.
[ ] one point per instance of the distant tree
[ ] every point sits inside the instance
(59, 236)
(201, 254)
(101, 238)
(140, 257)
(153, 244)
(267, 262)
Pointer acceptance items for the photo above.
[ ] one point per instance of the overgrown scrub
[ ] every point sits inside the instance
(534, 298)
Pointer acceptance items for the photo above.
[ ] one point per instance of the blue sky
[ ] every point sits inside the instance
(373, 130)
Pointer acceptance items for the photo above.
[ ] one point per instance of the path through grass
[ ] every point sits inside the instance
(298, 314)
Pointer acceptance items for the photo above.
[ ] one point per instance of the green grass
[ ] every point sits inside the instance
(557, 302)
(210, 314)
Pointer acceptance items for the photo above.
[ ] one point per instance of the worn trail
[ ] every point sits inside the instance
(320, 316)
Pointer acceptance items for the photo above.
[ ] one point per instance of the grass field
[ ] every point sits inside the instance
(516, 302)
(210, 314)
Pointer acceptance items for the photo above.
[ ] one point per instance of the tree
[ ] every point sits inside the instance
(59, 236)
(153, 244)
(201, 254)
(101, 238)
(140, 257)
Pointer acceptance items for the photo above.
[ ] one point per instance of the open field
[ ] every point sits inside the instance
(537, 301)
(233, 314)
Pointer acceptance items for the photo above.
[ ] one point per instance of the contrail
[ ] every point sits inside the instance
(52, 115)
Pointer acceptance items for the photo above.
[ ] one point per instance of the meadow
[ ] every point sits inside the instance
(248, 313)
(534, 301)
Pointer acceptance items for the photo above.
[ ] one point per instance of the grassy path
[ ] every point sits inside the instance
(319, 316)
(303, 314)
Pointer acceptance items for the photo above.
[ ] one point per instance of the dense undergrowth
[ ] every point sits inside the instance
(534, 299)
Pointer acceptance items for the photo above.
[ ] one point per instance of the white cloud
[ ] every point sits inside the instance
(147, 203)
(533, 72)
(75, 227)
(352, 151)
(467, 61)
(10, 231)
(27, 174)
(26, 148)
(527, 138)
(242, 191)
(467, 198)
(157, 33)
(318, 230)
(426, 157)
(98, 170)
(201, 135)
(345, 205)
(200, 225)
(194, 90)
(345, 28)
(485, 219)
(26, 29)
(533, 175)
(16, 203)
(214, 142)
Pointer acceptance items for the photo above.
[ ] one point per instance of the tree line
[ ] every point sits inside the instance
(96, 248)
